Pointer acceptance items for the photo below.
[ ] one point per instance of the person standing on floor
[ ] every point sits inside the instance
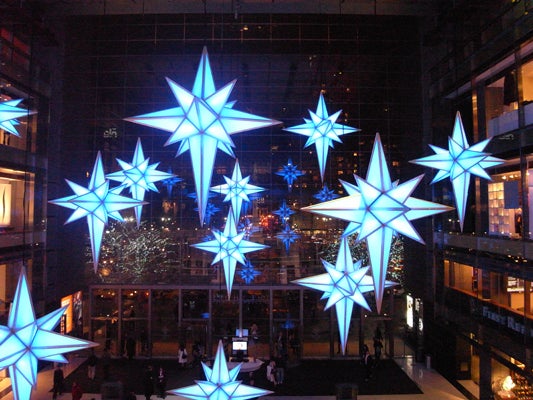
(77, 392)
(91, 365)
(378, 346)
(182, 356)
(148, 382)
(161, 383)
(58, 382)
(367, 362)
(106, 362)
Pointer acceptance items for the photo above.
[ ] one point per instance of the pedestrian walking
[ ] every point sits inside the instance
(58, 382)
(91, 365)
(77, 391)
(161, 383)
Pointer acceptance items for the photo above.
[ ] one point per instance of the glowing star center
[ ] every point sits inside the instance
(201, 115)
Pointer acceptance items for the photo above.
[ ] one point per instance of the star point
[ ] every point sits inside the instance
(458, 163)
(203, 123)
(376, 208)
(322, 130)
(9, 113)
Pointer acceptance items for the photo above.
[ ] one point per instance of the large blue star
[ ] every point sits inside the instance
(230, 248)
(203, 123)
(377, 208)
(221, 383)
(458, 163)
(343, 285)
(287, 236)
(139, 176)
(322, 130)
(9, 112)
(25, 340)
(237, 190)
(97, 202)
(289, 173)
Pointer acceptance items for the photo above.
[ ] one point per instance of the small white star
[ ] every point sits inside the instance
(139, 176)
(322, 130)
(237, 190)
(458, 163)
(221, 383)
(230, 248)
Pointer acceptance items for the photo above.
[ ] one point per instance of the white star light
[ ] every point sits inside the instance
(25, 340)
(221, 383)
(237, 190)
(203, 123)
(377, 208)
(343, 285)
(322, 130)
(97, 202)
(9, 112)
(458, 163)
(139, 176)
(230, 248)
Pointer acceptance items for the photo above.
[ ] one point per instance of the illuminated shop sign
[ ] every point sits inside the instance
(507, 321)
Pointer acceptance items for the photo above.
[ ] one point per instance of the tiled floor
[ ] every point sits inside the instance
(433, 385)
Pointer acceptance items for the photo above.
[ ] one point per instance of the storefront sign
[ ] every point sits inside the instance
(507, 321)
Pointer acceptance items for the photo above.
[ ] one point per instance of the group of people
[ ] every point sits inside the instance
(76, 390)
(154, 382)
(366, 357)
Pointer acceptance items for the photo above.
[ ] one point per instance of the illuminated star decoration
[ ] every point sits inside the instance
(97, 202)
(25, 340)
(237, 190)
(170, 182)
(9, 112)
(221, 383)
(248, 272)
(458, 163)
(322, 130)
(203, 123)
(290, 173)
(287, 236)
(284, 212)
(139, 176)
(230, 248)
(210, 210)
(377, 208)
(344, 285)
(326, 194)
